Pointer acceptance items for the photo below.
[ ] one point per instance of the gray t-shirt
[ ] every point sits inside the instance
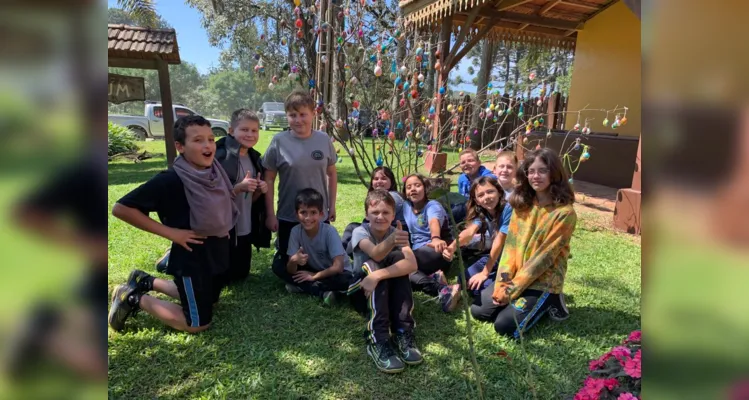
(244, 200)
(301, 164)
(360, 233)
(321, 249)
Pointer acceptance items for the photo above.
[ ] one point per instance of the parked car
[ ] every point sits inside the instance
(272, 114)
(152, 123)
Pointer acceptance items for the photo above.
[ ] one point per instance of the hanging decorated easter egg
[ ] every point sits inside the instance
(623, 121)
(406, 86)
(492, 107)
(460, 108)
(299, 34)
(399, 125)
(402, 102)
(520, 114)
(571, 181)
(353, 80)
(576, 127)
(297, 2)
(548, 133)
(538, 146)
(404, 70)
(532, 75)
(375, 132)
(437, 66)
(525, 140)
(528, 130)
(270, 86)
(586, 130)
(324, 59)
(585, 156)
(449, 108)
(391, 136)
(539, 103)
(351, 152)
(378, 71)
(536, 124)
(419, 51)
(453, 143)
(311, 83)
(420, 77)
(414, 93)
(605, 122)
(541, 120)
(397, 81)
(298, 23)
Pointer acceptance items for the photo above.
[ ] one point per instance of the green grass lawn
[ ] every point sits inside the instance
(266, 343)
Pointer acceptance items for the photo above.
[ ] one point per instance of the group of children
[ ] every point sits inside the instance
(217, 201)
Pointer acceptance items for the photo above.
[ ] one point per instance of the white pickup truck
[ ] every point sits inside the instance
(152, 124)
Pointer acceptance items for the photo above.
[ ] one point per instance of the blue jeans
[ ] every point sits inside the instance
(477, 267)
(459, 212)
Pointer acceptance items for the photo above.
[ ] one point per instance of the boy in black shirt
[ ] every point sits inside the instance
(194, 201)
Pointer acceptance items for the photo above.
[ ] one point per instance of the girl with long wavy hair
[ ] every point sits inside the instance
(534, 261)
(485, 232)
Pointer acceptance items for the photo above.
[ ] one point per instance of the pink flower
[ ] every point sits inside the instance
(635, 336)
(633, 366)
(627, 396)
(621, 353)
(595, 364)
(610, 383)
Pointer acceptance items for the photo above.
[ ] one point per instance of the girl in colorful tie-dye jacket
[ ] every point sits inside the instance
(531, 272)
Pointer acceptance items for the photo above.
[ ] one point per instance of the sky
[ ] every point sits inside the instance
(194, 47)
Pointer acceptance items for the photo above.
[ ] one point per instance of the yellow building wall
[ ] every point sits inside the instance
(607, 70)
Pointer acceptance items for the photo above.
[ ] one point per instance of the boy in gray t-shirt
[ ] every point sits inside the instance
(301, 158)
(317, 263)
(383, 260)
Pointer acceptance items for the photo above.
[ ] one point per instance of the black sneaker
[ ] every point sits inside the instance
(449, 297)
(140, 281)
(559, 312)
(122, 308)
(294, 289)
(163, 262)
(329, 298)
(406, 347)
(385, 358)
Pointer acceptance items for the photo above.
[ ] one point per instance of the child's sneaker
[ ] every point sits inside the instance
(406, 347)
(559, 312)
(449, 297)
(294, 289)
(125, 302)
(163, 262)
(140, 281)
(329, 298)
(384, 358)
(439, 276)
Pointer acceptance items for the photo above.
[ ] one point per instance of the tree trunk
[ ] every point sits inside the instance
(487, 55)
(431, 77)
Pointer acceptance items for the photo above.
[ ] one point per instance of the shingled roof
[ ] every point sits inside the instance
(135, 42)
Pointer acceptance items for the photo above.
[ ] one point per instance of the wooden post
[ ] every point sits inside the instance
(167, 109)
(436, 161)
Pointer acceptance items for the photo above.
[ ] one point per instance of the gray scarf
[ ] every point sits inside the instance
(209, 195)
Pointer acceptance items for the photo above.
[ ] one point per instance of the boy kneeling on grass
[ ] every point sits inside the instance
(194, 202)
(318, 264)
(383, 261)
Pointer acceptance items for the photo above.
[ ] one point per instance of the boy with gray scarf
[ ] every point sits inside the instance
(194, 202)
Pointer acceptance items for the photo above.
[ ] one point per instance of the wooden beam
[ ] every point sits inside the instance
(535, 20)
(508, 4)
(548, 7)
(587, 6)
(463, 32)
(474, 40)
(569, 32)
(168, 111)
(135, 63)
(523, 26)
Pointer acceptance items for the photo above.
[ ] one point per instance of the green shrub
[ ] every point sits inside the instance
(121, 140)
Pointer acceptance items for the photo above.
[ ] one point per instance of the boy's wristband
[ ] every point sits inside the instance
(436, 237)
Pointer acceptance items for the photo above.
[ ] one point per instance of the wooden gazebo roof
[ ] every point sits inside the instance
(551, 23)
(135, 42)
